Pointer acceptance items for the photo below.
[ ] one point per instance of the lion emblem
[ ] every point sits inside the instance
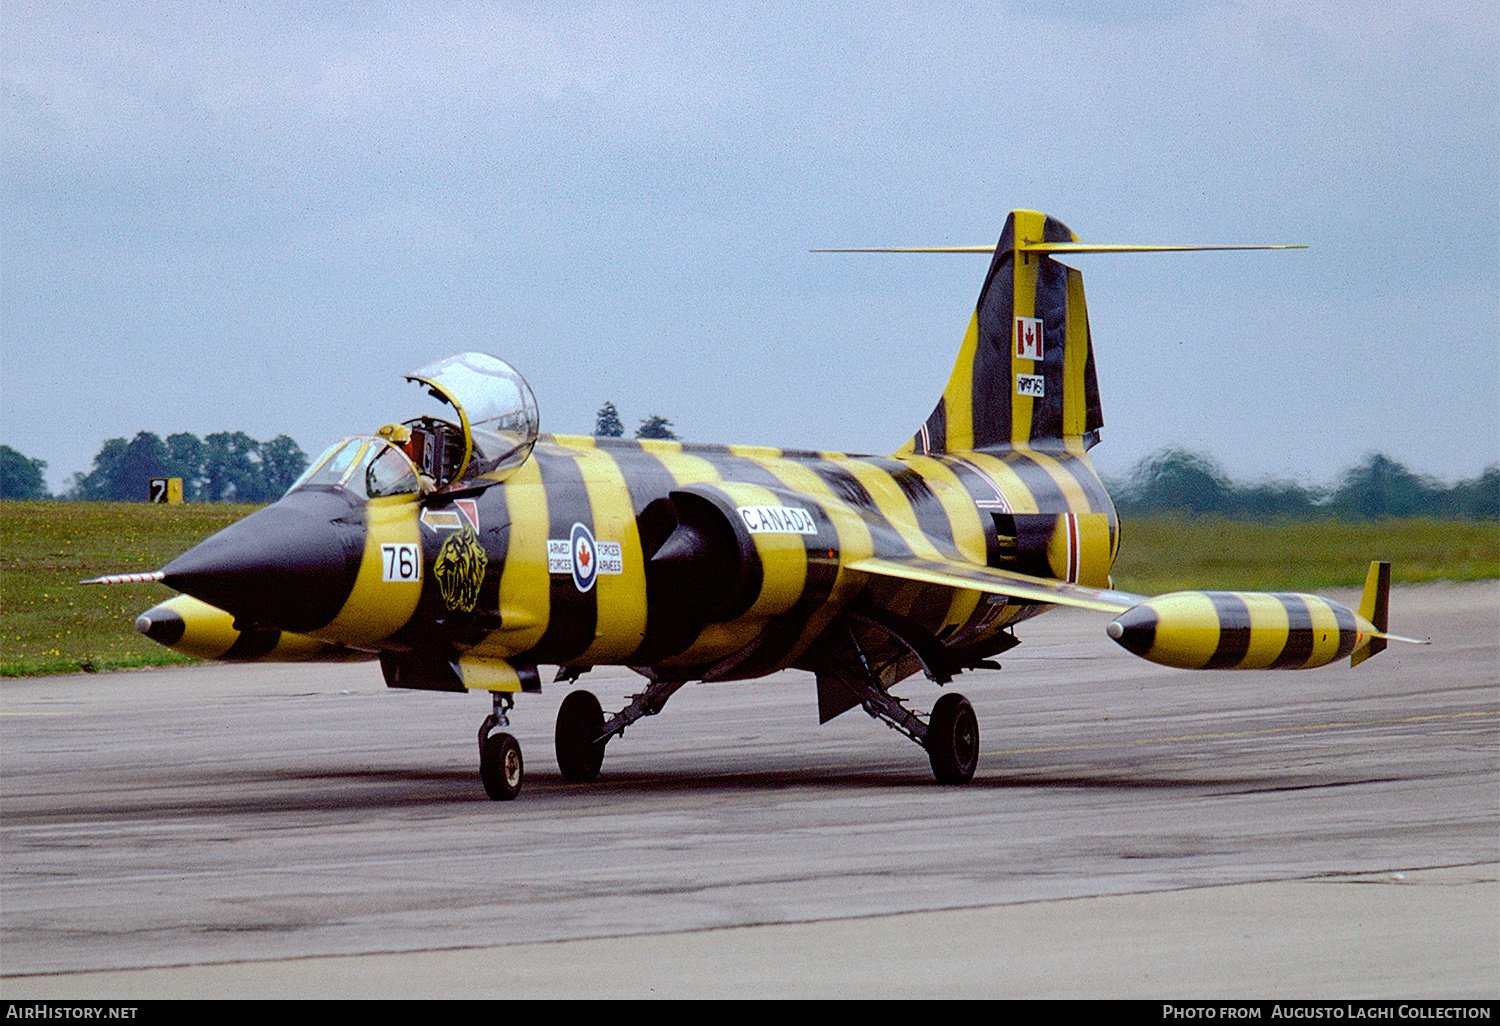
(459, 569)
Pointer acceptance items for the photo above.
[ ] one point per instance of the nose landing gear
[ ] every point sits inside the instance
(501, 768)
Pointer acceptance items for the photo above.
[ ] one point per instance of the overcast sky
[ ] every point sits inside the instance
(256, 217)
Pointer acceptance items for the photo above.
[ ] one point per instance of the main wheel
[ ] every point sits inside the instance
(500, 767)
(953, 740)
(580, 721)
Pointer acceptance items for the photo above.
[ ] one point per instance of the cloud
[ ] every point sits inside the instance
(619, 198)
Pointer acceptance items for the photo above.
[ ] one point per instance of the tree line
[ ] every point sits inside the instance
(222, 467)
(233, 467)
(1179, 481)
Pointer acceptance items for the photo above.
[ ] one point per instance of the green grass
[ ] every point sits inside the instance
(1173, 553)
(49, 623)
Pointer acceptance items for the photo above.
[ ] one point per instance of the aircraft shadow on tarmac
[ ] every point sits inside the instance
(331, 788)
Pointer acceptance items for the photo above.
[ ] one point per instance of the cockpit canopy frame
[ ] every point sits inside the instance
(429, 456)
(498, 421)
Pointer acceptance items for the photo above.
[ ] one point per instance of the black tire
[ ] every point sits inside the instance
(580, 721)
(501, 767)
(953, 740)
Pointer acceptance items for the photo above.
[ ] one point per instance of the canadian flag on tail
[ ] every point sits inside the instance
(1028, 338)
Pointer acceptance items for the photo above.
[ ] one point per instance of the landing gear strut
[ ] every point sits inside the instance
(847, 676)
(950, 734)
(500, 765)
(582, 732)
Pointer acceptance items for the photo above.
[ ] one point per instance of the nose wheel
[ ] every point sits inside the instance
(501, 768)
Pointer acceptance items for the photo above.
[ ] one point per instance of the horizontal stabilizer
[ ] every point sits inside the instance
(1110, 247)
(974, 577)
(1025, 377)
(1055, 247)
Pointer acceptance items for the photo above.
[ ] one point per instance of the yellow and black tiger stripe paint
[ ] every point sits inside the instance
(1223, 630)
(703, 562)
(712, 563)
(193, 627)
(761, 594)
(1025, 375)
(502, 583)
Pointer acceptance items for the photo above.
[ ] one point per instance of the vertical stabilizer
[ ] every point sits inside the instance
(1375, 607)
(1025, 375)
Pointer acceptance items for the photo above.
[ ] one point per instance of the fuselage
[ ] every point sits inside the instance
(567, 560)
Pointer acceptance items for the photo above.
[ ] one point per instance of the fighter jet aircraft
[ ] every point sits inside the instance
(466, 551)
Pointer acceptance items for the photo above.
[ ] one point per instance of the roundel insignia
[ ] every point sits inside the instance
(585, 557)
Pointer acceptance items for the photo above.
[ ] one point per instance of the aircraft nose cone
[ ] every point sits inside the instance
(289, 566)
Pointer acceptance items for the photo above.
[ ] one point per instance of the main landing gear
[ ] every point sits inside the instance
(580, 737)
(950, 734)
(952, 739)
(582, 732)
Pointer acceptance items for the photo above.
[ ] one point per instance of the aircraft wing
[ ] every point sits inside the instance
(974, 577)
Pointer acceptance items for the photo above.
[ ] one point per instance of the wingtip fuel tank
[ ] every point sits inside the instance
(193, 627)
(1231, 630)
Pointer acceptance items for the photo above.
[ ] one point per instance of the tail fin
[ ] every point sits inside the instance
(1375, 607)
(1374, 613)
(1025, 375)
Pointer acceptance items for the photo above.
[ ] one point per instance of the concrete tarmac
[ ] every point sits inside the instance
(1133, 831)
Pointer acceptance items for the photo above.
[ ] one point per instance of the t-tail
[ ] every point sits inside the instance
(1025, 375)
